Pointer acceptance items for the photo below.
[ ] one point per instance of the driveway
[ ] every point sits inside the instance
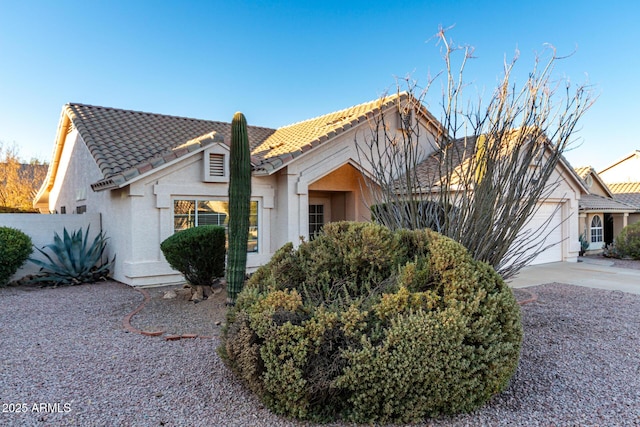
(593, 273)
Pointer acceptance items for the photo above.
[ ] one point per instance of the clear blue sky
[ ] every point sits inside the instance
(282, 62)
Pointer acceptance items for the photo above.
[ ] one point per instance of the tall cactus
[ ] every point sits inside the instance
(239, 205)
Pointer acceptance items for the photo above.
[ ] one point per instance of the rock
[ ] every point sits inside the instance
(171, 294)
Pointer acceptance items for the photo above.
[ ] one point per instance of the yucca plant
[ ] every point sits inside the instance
(74, 261)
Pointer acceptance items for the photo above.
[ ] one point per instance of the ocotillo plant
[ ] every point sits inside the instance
(239, 205)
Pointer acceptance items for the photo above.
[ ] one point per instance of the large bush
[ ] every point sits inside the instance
(627, 243)
(372, 326)
(15, 248)
(198, 253)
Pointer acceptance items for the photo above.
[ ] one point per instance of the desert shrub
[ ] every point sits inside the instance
(198, 253)
(627, 243)
(74, 259)
(15, 248)
(368, 325)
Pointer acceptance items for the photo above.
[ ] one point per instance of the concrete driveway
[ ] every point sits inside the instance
(591, 273)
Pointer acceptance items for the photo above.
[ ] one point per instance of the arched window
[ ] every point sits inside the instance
(596, 229)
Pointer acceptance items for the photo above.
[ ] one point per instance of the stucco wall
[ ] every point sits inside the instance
(41, 228)
(143, 215)
(626, 171)
(78, 170)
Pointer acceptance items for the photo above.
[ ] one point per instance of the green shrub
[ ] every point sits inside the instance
(74, 260)
(368, 325)
(198, 253)
(15, 248)
(627, 243)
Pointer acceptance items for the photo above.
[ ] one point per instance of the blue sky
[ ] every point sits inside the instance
(282, 62)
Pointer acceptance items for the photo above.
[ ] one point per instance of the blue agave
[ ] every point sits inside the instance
(73, 261)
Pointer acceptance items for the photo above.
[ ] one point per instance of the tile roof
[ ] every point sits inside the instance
(429, 171)
(123, 141)
(291, 141)
(627, 192)
(459, 157)
(126, 143)
(594, 202)
(587, 174)
(583, 171)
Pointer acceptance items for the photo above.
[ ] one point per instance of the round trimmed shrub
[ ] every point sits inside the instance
(198, 253)
(627, 243)
(368, 325)
(15, 248)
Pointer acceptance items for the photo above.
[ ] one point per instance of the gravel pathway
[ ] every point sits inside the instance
(66, 357)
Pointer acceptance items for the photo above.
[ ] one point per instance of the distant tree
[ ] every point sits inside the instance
(491, 163)
(19, 182)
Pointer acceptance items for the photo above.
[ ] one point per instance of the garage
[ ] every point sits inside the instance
(548, 231)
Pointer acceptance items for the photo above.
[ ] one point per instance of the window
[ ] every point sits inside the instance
(81, 209)
(596, 229)
(63, 209)
(316, 220)
(194, 212)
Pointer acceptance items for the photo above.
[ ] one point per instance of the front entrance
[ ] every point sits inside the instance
(608, 228)
(327, 206)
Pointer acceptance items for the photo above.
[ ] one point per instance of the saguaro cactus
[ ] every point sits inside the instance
(239, 205)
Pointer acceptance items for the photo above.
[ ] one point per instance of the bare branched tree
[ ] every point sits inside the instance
(481, 172)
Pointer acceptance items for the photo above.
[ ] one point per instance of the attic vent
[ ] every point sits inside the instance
(216, 164)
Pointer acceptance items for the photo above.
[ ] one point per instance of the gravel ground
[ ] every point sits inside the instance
(179, 316)
(66, 348)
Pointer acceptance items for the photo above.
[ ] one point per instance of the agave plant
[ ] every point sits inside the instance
(74, 261)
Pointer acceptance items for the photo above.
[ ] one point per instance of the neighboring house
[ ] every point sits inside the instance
(602, 213)
(150, 175)
(626, 169)
(623, 179)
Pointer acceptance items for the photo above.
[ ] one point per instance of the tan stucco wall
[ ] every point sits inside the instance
(598, 189)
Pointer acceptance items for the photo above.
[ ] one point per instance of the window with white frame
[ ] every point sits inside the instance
(596, 229)
(189, 213)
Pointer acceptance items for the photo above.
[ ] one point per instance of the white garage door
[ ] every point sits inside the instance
(553, 230)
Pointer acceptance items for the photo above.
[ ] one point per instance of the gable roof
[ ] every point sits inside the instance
(584, 172)
(291, 141)
(120, 140)
(460, 152)
(126, 144)
(627, 192)
(633, 154)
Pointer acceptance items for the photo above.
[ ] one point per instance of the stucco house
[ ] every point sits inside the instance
(623, 179)
(150, 175)
(602, 214)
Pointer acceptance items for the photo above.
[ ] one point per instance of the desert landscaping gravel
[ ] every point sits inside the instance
(66, 360)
